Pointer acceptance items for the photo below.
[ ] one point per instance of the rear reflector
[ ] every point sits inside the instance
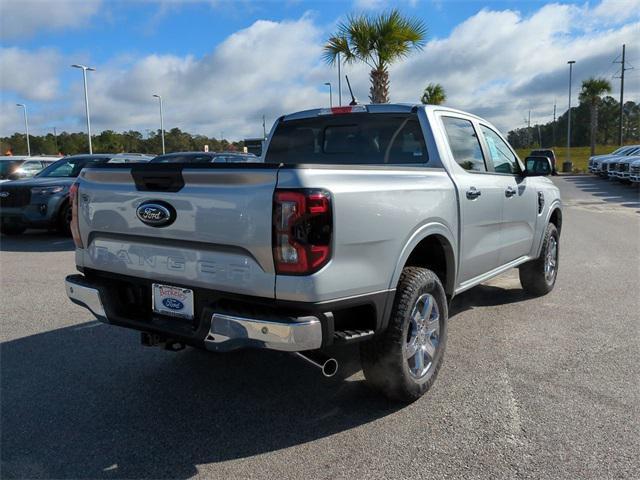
(302, 230)
(343, 110)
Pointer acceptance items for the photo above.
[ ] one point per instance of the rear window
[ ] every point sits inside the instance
(356, 138)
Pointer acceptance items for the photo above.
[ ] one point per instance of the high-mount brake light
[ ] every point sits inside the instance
(343, 110)
(75, 223)
(302, 231)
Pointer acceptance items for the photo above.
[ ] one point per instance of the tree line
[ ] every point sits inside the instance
(606, 133)
(113, 142)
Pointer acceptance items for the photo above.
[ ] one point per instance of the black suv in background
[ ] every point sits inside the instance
(546, 152)
(43, 201)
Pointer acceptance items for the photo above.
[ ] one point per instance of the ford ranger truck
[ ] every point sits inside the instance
(361, 225)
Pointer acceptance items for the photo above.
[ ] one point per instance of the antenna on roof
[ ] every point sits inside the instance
(353, 99)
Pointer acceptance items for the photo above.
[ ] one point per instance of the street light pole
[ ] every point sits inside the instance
(86, 99)
(570, 62)
(161, 122)
(339, 84)
(330, 94)
(26, 126)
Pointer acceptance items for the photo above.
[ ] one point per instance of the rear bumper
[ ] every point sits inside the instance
(86, 295)
(304, 333)
(228, 322)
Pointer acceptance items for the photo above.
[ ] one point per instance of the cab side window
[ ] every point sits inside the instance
(408, 145)
(464, 144)
(500, 155)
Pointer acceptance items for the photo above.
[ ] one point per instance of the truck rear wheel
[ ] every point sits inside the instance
(403, 362)
(538, 276)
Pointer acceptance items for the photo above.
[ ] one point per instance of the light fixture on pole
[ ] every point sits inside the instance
(567, 165)
(161, 122)
(330, 94)
(86, 99)
(26, 126)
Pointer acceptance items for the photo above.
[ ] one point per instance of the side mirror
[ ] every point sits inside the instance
(537, 167)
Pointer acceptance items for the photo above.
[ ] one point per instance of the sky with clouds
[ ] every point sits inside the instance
(221, 65)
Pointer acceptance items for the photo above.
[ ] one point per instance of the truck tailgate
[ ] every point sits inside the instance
(220, 236)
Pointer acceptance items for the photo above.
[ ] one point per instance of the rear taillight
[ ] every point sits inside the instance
(302, 230)
(75, 225)
(343, 110)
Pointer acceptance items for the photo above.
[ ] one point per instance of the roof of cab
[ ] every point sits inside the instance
(377, 108)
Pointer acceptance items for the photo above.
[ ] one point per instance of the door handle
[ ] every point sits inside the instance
(510, 192)
(473, 193)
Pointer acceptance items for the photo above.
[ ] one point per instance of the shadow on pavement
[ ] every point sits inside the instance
(90, 402)
(612, 191)
(486, 296)
(36, 241)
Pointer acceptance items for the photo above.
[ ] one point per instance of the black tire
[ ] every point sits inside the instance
(534, 277)
(12, 229)
(64, 220)
(383, 358)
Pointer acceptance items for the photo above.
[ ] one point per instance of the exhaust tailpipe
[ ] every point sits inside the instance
(328, 365)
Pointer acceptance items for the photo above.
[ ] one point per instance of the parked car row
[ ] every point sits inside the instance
(39, 198)
(622, 164)
(43, 200)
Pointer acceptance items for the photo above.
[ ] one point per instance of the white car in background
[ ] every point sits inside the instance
(601, 163)
(17, 167)
(620, 170)
(634, 171)
(610, 165)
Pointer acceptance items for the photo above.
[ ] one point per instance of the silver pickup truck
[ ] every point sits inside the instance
(361, 225)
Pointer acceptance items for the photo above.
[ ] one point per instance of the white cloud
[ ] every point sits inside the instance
(500, 63)
(364, 5)
(616, 11)
(30, 74)
(267, 68)
(25, 18)
(370, 4)
(11, 119)
(497, 64)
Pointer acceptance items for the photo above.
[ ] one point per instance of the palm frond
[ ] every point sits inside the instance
(337, 45)
(593, 88)
(376, 40)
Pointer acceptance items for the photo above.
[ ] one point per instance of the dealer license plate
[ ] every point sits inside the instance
(173, 301)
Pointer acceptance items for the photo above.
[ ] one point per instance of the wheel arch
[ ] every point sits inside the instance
(556, 218)
(553, 215)
(430, 247)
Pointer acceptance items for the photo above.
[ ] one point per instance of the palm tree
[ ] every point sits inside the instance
(433, 94)
(591, 93)
(377, 41)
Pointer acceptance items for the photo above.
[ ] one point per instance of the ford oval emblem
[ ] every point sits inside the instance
(173, 303)
(156, 214)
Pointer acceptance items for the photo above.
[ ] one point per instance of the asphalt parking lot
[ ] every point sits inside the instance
(531, 387)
